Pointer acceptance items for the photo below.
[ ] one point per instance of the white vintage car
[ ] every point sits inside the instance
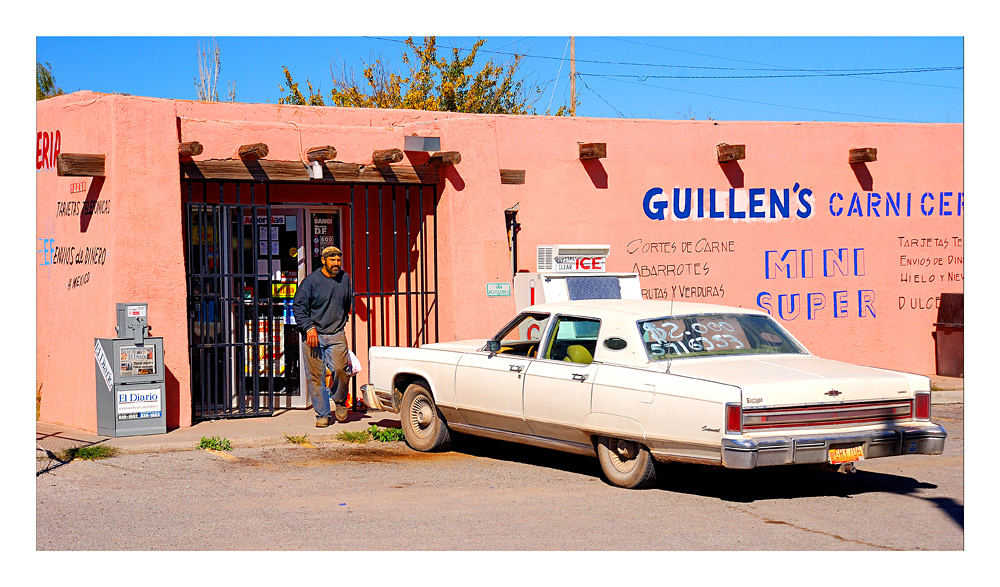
(637, 381)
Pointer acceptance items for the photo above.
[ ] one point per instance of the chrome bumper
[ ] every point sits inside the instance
(748, 453)
(377, 399)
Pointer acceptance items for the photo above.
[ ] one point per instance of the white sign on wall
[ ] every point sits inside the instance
(496, 290)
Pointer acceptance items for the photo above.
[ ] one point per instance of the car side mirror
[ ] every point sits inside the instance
(493, 346)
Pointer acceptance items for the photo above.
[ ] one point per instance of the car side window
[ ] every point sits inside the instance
(521, 337)
(573, 340)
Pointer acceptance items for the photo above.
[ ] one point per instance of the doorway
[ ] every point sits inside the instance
(249, 244)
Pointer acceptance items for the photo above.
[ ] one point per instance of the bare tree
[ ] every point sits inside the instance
(207, 82)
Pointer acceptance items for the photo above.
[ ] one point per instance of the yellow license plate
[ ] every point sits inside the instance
(846, 455)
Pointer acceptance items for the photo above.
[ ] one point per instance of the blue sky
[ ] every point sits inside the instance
(667, 77)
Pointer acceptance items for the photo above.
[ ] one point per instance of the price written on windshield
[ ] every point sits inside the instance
(676, 338)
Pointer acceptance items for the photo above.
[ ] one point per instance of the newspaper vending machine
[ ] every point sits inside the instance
(130, 389)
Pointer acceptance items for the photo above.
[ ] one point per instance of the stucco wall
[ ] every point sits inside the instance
(884, 317)
(75, 276)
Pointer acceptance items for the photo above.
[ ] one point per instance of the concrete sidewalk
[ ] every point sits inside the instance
(51, 439)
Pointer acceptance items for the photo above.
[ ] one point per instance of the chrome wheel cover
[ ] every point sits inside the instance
(421, 416)
(622, 455)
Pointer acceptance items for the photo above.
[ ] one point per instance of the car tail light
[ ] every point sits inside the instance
(734, 419)
(922, 405)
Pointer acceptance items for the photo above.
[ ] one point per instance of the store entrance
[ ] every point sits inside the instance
(245, 259)
(267, 320)
(247, 247)
(286, 250)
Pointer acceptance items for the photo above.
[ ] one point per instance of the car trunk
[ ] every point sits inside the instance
(783, 380)
(801, 391)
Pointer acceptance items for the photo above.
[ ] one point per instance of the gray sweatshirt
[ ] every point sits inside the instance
(323, 302)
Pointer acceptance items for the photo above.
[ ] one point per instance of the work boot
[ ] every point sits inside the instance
(322, 422)
(341, 413)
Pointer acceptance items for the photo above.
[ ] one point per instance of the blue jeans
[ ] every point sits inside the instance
(330, 353)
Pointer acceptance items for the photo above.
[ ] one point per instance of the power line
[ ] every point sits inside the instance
(669, 65)
(601, 97)
(641, 77)
(798, 73)
(885, 118)
(778, 67)
(559, 73)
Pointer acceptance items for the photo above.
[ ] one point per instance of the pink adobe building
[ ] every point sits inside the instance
(852, 257)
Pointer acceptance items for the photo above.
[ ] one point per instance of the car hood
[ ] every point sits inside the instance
(462, 346)
(795, 379)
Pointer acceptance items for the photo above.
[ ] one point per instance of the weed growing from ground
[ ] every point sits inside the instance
(89, 453)
(356, 437)
(297, 439)
(215, 443)
(386, 434)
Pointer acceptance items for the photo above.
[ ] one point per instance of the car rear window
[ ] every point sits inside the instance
(699, 335)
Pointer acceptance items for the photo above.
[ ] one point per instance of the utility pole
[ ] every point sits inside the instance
(572, 76)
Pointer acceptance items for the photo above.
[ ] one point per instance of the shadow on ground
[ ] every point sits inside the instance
(785, 482)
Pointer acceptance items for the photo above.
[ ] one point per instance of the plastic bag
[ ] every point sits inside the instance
(354, 365)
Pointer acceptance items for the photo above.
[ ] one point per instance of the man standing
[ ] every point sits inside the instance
(322, 307)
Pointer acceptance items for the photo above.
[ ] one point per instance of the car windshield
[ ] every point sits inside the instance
(701, 335)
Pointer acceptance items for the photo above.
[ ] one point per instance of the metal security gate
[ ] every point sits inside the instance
(243, 346)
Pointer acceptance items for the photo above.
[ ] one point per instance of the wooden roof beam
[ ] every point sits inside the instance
(252, 151)
(387, 156)
(593, 150)
(863, 155)
(445, 158)
(324, 153)
(296, 171)
(189, 149)
(727, 153)
(80, 165)
(512, 176)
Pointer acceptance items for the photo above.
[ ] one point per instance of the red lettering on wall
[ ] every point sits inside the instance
(47, 148)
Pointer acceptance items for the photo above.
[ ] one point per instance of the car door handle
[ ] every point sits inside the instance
(581, 377)
(515, 368)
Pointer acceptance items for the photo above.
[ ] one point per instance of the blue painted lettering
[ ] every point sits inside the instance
(840, 208)
(787, 265)
(654, 209)
(873, 201)
(682, 211)
(757, 202)
(815, 302)
(927, 211)
(779, 203)
(712, 211)
(866, 301)
(733, 213)
(793, 306)
(945, 204)
(764, 301)
(839, 304)
(699, 202)
(855, 205)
